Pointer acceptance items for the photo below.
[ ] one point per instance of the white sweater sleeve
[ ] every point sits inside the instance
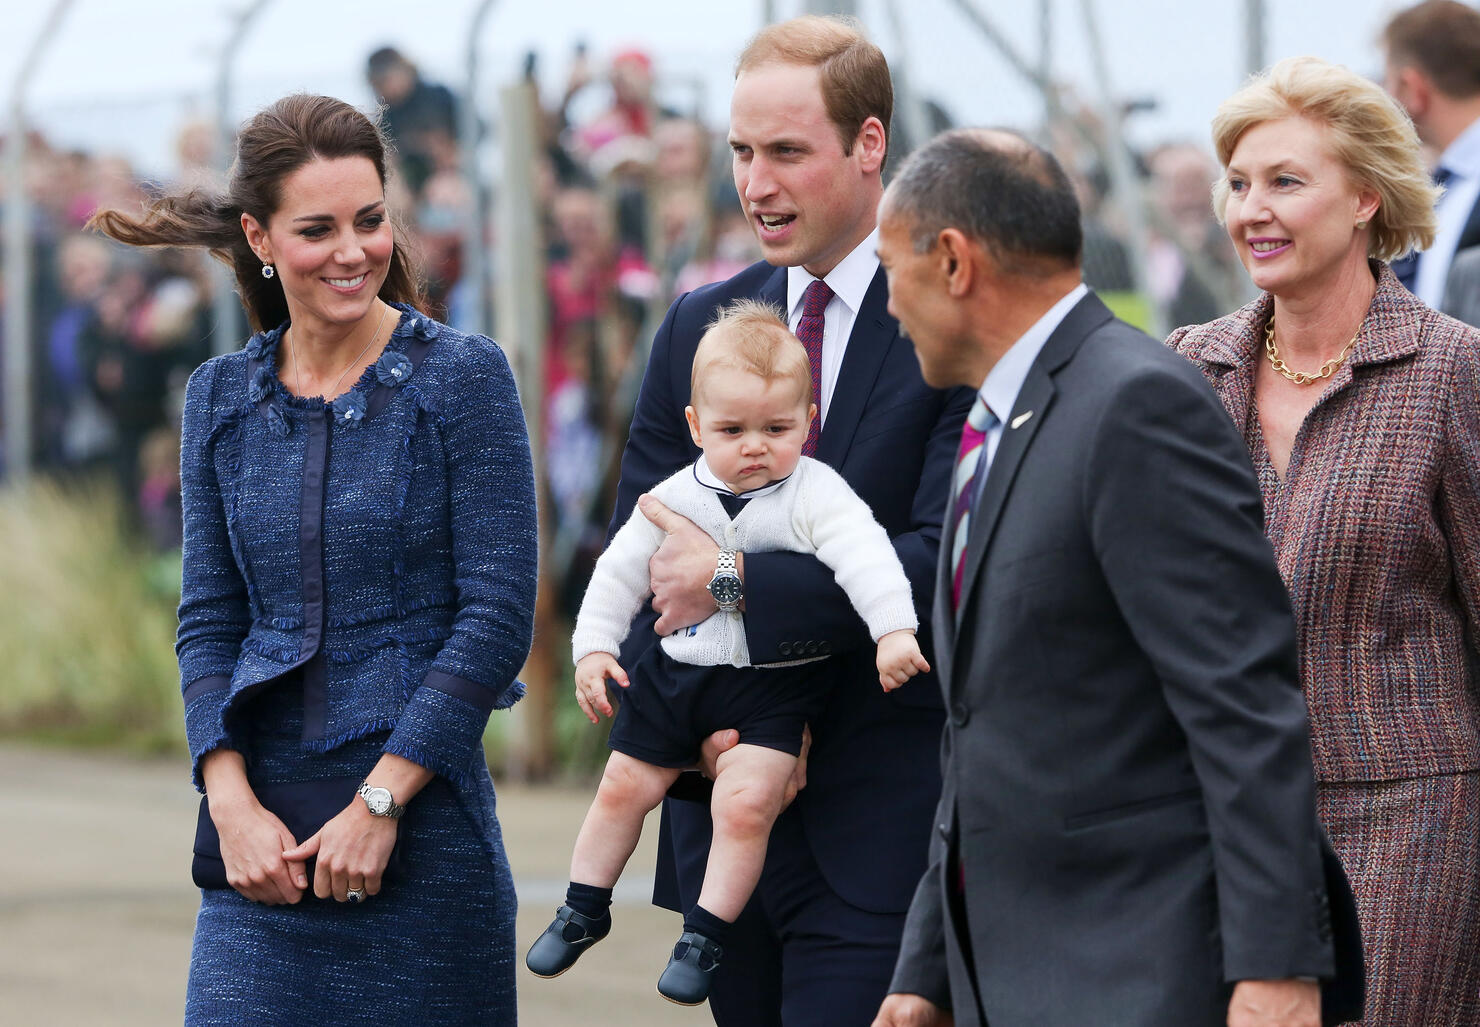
(856, 548)
(617, 589)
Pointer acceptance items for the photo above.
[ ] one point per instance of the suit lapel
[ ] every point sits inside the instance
(942, 617)
(1028, 414)
(874, 332)
(1034, 398)
(774, 291)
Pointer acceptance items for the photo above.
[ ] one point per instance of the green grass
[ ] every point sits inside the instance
(87, 624)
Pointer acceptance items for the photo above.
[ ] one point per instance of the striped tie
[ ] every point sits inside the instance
(974, 432)
(809, 331)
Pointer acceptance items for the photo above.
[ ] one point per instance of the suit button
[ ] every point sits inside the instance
(960, 715)
(810, 649)
(784, 648)
(825, 648)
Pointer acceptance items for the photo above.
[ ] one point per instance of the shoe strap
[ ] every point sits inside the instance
(566, 915)
(699, 945)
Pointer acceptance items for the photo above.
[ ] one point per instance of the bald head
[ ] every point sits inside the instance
(997, 189)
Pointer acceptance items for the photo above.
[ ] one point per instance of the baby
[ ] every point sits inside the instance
(751, 490)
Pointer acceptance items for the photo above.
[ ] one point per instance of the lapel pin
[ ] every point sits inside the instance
(1021, 419)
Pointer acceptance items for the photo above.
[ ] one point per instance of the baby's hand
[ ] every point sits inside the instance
(899, 658)
(592, 670)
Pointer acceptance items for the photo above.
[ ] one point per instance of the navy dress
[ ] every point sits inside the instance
(359, 580)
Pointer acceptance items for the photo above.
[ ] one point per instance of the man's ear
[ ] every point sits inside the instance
(1415, 91)
(690, 415)
(256, 234)
(871, 144)
(956, 261)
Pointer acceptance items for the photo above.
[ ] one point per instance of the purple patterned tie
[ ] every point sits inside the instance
(974, 432)
(809, 330)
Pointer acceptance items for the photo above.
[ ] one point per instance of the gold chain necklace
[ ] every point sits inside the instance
(385, 308)
(1300, 377)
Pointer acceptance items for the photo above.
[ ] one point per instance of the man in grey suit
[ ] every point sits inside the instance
(1127, 831)
(1433, 70)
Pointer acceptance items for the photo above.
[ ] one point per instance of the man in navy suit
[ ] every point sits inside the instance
(809, 124)
(1127, 832)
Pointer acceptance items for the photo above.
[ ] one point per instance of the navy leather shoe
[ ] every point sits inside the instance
(568, 935)
(690, 971)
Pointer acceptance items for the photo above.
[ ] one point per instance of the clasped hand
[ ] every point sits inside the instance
(265, 863)
(899, 658)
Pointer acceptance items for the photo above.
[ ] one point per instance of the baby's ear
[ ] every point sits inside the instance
(690, 415)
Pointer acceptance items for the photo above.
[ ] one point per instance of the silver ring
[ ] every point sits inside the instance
(355, 895)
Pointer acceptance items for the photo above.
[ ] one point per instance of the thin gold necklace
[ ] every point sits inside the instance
(1300, 377)
(385, 308)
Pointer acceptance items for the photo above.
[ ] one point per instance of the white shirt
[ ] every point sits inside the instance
(1462, 160)
(1005, 380)
(849, 282)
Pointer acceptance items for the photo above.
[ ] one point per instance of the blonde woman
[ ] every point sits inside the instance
(1361, 409)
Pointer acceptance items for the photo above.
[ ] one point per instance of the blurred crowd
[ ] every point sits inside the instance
(635, 206)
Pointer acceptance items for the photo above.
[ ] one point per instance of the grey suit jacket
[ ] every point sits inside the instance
(1128, 794)
(1462, 287)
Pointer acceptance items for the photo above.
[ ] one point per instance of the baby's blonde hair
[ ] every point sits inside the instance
(751, 336)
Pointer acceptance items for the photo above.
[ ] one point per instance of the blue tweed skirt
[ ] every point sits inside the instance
(435, 947)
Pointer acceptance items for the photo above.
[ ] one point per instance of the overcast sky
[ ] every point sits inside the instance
(122, 75)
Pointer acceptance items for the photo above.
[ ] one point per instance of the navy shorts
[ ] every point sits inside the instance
(670, 707)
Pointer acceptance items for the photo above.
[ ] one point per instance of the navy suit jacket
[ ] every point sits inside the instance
(893, 439)
(1128, 782)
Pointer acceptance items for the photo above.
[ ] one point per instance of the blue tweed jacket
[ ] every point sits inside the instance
(385, 544)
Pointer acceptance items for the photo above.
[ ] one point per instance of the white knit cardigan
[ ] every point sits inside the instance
(814, 511)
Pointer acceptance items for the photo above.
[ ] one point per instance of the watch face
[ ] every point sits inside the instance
(379, 801)
(726, 590)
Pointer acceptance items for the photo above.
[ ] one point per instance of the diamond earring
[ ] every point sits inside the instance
(268, 270)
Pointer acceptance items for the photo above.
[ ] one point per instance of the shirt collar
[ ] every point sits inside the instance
(849, 281)
(706, 477)
(1462, 157)
(1005, 380)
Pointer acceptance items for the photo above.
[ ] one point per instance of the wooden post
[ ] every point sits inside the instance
(523, 332)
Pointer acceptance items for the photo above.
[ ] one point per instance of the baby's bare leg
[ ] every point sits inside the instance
(747, 798)
(629, 790)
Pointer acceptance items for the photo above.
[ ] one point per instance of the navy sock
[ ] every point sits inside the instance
(589, 900)
(701, 921)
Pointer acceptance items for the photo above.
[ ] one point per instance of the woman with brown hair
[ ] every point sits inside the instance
(359, 575)
(1361, 408)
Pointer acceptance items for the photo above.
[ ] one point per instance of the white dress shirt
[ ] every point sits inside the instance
(1462, 160)
(849, 282)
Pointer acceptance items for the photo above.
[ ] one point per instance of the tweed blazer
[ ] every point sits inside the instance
(385, 544)
(1376, 529)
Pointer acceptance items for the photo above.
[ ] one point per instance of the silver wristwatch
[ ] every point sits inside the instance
(726, 586)
(379, 802)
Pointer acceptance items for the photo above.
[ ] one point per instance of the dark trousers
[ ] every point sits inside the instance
(799, 956)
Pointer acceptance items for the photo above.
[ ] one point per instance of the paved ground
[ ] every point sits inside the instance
(97, 908)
